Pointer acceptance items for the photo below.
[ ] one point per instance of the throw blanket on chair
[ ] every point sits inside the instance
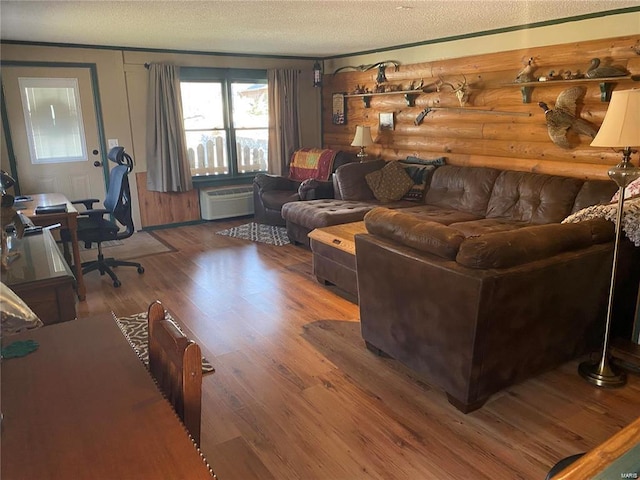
(311, 163)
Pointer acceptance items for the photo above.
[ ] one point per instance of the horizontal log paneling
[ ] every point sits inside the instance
(515, 136)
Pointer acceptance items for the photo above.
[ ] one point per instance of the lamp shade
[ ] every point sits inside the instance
(362, 137)
(621, 124)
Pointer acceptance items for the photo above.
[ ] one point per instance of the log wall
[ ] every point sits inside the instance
(516, 140)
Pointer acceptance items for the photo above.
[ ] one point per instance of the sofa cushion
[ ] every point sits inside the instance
(537, 242)
(390, 183)
(444, 216)
(275, 199)
(594, 192)
(466, 189)
(265, 182)
(351, 182)
(422, 235)
(532, 197)
(420, 171)
(323, 213)
(475, 228)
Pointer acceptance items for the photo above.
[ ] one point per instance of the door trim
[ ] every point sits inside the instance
(93, 72)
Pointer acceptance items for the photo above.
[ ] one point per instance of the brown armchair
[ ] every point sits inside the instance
(271, 192)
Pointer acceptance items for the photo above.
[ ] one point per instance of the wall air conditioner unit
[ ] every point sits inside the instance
(226, 202)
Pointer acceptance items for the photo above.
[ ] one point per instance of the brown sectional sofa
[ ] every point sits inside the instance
(480, 286)
(352, 200)
(476, 304)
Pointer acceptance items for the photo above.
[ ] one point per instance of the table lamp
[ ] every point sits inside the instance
(362, 139)
(620, 129)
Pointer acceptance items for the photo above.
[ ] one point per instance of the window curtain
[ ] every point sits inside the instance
(284, 129)
(167, 159)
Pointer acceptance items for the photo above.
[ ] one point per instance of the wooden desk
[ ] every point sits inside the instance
(41, 277)
(83, 406)
(68, 220)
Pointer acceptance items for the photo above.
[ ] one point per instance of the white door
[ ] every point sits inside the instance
(54, 130)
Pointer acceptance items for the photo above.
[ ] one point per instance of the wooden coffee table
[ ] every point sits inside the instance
(334, 255)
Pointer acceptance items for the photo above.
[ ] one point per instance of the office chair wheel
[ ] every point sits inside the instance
(140, 269)
(116, 283)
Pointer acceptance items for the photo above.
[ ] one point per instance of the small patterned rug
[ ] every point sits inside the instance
(107, 244)
(257, 232)
(135, 330)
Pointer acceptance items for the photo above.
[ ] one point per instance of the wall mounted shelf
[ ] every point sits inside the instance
(606, 85)
(409, 95)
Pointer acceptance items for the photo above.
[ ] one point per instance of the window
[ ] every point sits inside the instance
(53, 119)
(226, 120)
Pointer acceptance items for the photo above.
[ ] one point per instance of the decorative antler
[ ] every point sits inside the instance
(461, 90)
(364, 68)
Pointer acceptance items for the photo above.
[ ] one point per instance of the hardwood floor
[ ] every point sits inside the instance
(296, 395)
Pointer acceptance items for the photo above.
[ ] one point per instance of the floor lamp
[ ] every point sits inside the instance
(620, 129)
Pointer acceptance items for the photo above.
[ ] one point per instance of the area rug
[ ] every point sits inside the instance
(135, 330)
(256, 232)
(140, 244)
(107, 244)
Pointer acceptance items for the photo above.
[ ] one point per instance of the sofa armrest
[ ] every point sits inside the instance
(313, 189)
(423, 235)
(516, 247)
(267, 182)
(502, 249)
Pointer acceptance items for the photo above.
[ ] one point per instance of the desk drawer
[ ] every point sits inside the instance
(51, 300)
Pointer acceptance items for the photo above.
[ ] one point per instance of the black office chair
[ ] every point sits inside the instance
(94, 228)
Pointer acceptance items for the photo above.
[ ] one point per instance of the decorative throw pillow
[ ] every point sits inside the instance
(390, 183)
(420, 172)
(630, 190)
(630, 219)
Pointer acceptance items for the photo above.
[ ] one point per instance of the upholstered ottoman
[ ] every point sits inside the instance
(303, 217)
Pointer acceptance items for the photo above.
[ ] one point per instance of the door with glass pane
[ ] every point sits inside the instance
(54, 132)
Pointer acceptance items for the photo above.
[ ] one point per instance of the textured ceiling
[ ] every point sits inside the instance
(308, 28)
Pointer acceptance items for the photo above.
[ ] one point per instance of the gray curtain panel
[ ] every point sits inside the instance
(284, 127)
(167, 159)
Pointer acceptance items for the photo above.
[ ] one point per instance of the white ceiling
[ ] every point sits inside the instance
(308, 28)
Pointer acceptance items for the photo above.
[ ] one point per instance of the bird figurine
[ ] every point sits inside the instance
(562, 119)
(526, 74)
(569, 75)
(596, 70)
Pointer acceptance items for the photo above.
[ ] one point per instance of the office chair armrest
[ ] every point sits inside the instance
(87, 202)
(94, 213)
